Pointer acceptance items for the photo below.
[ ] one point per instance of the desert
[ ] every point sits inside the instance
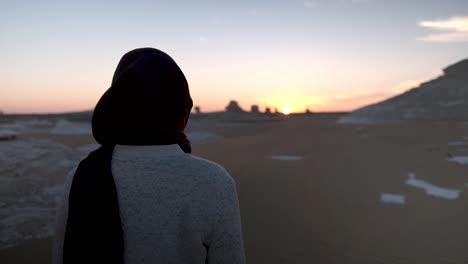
(373, 193)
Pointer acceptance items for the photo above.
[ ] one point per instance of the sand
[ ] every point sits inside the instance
(326, 206)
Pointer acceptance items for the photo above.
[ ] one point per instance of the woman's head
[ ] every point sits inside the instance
(148, 102)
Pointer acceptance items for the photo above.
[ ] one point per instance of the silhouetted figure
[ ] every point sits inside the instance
(141, 197)
(197, 110)
(268, 111)
(234, 107)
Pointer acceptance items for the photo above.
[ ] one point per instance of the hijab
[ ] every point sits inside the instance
(148, 103)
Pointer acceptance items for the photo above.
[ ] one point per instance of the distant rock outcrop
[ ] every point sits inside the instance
(233, 107)
(254, 109)
(444, 98)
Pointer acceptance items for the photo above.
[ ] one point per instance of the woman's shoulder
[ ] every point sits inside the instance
(211, 169)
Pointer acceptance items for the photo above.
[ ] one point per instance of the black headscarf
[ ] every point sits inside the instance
(148, 103)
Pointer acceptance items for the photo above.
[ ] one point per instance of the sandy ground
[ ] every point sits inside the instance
(327, 207)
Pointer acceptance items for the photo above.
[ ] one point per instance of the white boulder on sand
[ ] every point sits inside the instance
(444, 98)
(459, 159)
(431, 189)
(392, 198)
(7, 135)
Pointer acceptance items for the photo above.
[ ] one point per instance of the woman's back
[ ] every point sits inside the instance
(175, 208)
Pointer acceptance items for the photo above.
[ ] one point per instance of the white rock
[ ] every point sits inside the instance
(392, 198)
(433, 190)
(7, 134)
(459, 159)
(287, 157)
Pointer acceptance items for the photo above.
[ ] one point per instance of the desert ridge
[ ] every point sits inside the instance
(443, 98)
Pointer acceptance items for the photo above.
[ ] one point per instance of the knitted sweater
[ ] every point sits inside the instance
(174, 207)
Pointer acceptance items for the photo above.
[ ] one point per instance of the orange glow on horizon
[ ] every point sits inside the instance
(283, 104)
(294, 103)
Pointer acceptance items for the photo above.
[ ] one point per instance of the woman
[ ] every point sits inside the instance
(141, 197)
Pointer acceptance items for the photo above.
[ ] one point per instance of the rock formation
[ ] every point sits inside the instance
(444, 98)
(254, 109)
(233, 107)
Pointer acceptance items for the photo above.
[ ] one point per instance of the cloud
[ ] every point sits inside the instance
(454, 23)
(454, 29)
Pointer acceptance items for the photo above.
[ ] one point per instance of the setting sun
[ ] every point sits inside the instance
(293, 103)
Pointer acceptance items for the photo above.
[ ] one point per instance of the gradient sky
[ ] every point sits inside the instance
(325, 55)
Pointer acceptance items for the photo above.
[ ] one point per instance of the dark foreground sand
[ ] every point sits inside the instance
(326, 208)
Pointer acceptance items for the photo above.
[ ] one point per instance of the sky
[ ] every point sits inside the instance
(321, 55)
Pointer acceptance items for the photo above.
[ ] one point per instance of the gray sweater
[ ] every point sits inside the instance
(175, 208)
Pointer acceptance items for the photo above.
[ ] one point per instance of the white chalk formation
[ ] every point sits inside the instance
(7, 134)
(30, 173)
(443, 98)
(459, 159)
(392, 198)
(287, 157)
(431, 189)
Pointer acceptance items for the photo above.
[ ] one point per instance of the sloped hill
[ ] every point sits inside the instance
(444, 98)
